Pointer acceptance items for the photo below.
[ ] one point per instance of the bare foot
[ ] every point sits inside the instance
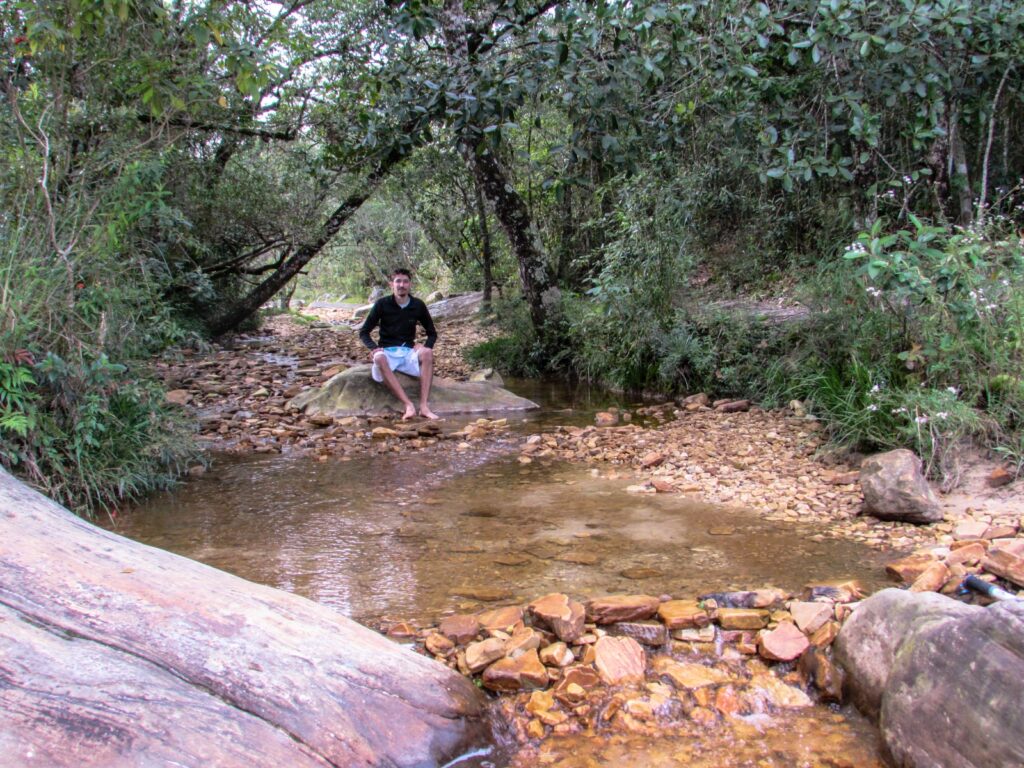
(410, 412)
(426, 413)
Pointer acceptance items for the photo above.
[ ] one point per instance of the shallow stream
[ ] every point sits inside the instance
(412, 535)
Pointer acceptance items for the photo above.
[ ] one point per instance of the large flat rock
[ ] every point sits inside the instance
(114, 653)
(354, 393)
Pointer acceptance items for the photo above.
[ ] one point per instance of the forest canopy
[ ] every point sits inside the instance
(613, 168)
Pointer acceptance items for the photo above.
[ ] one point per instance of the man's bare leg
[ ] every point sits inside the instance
(426, 356)
(396, 389)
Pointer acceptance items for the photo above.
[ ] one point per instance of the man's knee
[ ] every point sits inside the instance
(426, 355)
(380, 359)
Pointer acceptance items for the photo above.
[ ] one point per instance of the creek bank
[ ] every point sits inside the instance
(114, 653)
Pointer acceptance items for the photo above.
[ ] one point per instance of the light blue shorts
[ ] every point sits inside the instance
(404, 359)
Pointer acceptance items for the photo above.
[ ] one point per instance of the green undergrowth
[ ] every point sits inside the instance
(913, 338)
(81, 311)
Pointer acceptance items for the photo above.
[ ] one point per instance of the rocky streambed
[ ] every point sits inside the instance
(659, 680)
(730, 667)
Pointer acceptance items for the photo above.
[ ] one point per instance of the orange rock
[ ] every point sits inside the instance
(522, 640)
(957, 574)
(687, 676)
(683, 614)
(1002, 563)
(972, 552)
(907, 569)
(523, 672)
(742, 618)
(1001, 532)
(565, 617)
(826, 635)
(931, 579)
(480, 655)
(575, 684)
(460, 628)
(608, 610)
(784, 643)
(503, 619)
(438, 644)
(652, 459)
(619, 660)
(556, 655)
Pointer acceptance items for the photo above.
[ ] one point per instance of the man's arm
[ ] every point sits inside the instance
(428, 326)
(371, 322)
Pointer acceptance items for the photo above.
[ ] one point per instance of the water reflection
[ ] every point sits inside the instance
(425, 532)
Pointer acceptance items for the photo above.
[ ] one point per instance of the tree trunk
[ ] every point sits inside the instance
(535, 278)
(960, 181)
(234, 315)
(113, 653)
(485, 241)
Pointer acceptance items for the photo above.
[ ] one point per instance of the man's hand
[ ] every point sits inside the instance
(374, 352)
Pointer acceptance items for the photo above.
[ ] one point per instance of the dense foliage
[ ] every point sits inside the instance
(622, 172)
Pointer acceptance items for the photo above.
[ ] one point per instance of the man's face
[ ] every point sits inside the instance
(401, 284)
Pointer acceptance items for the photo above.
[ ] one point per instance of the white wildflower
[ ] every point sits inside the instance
(941, 415)
(872, 407)
(920, 419)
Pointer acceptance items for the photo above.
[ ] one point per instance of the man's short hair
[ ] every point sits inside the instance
(400, 271)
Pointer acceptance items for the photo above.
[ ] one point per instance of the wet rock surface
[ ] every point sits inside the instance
(704, 680)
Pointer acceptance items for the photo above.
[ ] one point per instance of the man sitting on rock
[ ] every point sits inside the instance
(397, 316)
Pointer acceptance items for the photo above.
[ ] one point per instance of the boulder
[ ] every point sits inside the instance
(952, 693)
(867, 644)
(895, 488)
(115, 653)
(354, 393)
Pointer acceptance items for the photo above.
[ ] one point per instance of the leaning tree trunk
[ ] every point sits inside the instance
(237, 313)
(113, 653)
(535, 277)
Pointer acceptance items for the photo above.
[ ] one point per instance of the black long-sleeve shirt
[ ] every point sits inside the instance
(397, 324)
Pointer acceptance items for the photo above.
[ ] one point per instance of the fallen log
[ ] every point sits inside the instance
(111, 650)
